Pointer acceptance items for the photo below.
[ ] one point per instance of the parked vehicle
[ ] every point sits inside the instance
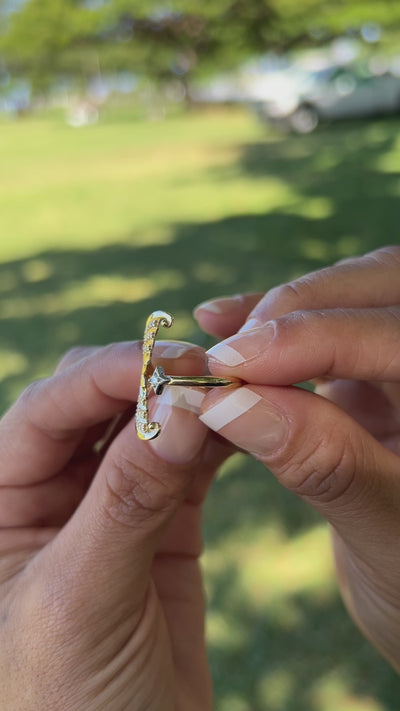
(337, 92)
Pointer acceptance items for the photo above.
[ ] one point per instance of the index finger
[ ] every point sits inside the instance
(41, 431)
(370, 281)
(356, 344)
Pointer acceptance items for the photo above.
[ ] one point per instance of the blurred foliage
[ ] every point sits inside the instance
(44, 39)
(103, 224)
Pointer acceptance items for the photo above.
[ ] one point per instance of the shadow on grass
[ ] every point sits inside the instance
(346, 203)
(293, 651)
(301, 665)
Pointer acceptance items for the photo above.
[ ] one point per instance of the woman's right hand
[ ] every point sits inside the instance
(341, 452)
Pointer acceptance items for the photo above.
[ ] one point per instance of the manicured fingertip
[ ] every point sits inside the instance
(249, 343)
(172, 350)
(245, 418)
(182, 434)
(224, 316)
(250, 324)
(221, 306)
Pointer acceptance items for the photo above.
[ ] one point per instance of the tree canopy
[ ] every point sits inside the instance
(42, 39)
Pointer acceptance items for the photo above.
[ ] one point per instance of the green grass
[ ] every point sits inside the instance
(101, 225)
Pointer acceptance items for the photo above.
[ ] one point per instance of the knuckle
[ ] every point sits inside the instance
(309, 321)
(385, 256)
(303, 324)
(132, 494)
(31, 392)
(77, 354)
(110, 349)
(71, 356)
(293, 295)
(114, 349)
(42, 407)
(74, 353)
(113, 352)
(323, 472)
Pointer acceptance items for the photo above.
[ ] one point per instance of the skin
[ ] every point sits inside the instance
(339, 448)
(101, 600)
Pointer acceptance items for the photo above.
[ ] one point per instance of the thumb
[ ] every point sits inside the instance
(318, 452)
(99, 564)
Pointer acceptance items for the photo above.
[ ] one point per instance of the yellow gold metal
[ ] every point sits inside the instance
(160, 379)
(144, 428)
(157, 379)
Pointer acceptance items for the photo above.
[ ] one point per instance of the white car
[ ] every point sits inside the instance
(333, 93)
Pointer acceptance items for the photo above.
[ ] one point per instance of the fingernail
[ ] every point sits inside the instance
(244, 346)
(247, 420)
(182, 434)
(251, 323)
(220, 306)
(174, 349)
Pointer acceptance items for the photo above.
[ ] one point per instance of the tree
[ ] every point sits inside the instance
(188, 38)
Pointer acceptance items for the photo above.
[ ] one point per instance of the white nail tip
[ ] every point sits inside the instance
(230, 408)
(212, 306)
(220, 306)
(175, 351)
(226, 354)
(251, 323)
(184, 398)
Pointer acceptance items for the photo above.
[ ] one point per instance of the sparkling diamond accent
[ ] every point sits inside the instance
(158, 380)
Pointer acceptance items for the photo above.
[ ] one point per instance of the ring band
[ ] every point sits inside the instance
(158, 379)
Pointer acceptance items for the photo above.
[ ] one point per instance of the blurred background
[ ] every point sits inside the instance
(156, 154)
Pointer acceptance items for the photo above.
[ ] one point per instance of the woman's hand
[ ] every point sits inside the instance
(101, 603)
(341, 452)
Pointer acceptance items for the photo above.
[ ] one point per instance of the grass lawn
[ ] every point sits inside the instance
(101, 225)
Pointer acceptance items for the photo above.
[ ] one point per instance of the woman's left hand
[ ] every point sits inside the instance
(101, 600)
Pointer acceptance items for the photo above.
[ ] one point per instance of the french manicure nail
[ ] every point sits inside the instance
(248, 421)
(243, 346)
(182, 434)
(220, 306)
(175, 349)
(248, 325)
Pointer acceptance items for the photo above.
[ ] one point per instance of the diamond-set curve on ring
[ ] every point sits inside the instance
(157, 379)
(144, 428)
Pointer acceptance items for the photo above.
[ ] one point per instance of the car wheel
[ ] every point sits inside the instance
(304, 120)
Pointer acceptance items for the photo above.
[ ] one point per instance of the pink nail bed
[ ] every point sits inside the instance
(248, 421)
(182, 432)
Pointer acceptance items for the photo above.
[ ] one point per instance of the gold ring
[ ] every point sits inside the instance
(157, 378)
